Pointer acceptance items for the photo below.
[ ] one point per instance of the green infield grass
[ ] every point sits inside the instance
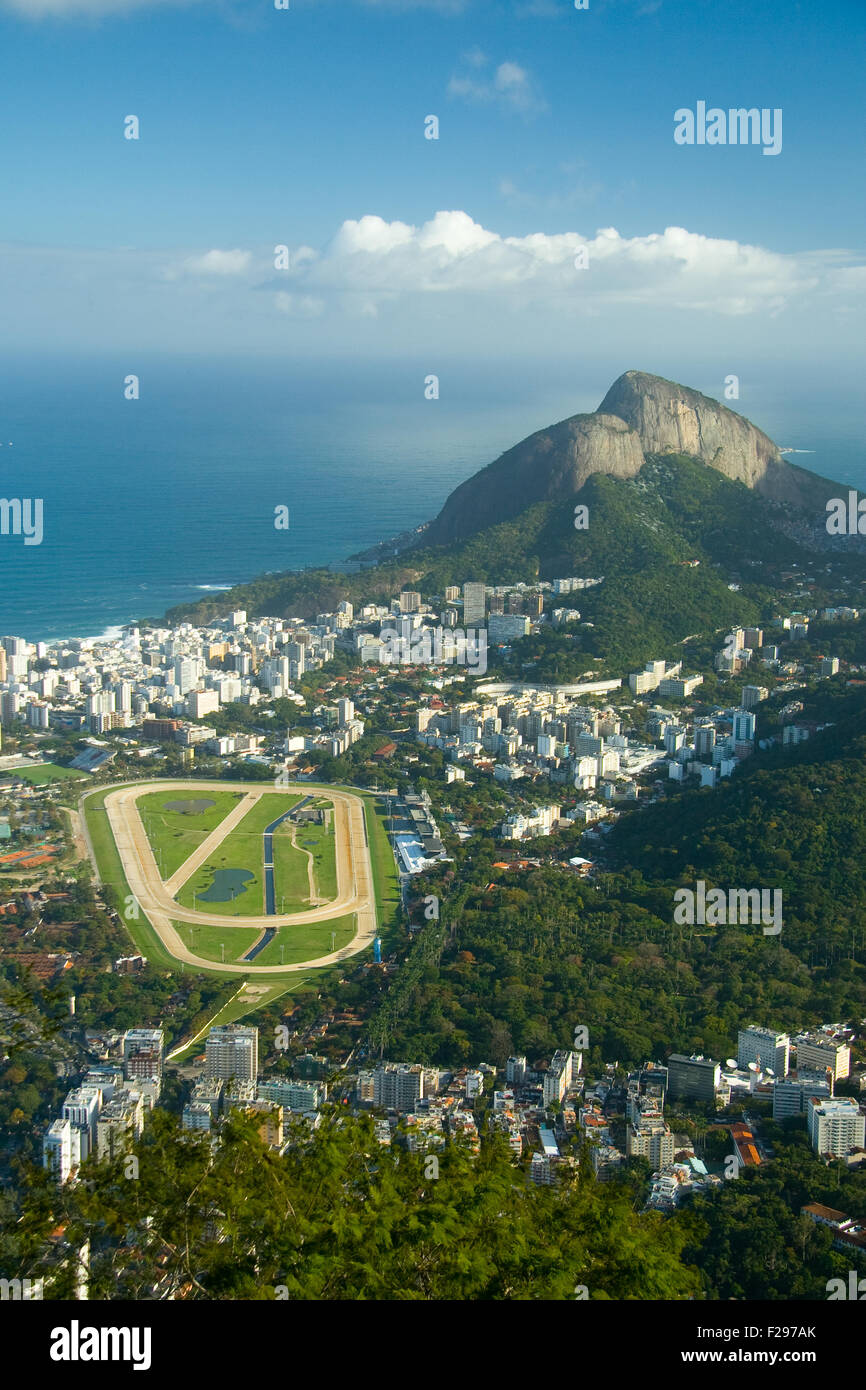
(174, 834)
(217, 885)
(307, 941)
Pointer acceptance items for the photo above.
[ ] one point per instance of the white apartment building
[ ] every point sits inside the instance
(398, 1086)
(119, 1124)
(792, 1096)
(652, 1140)
(232, 1051)
(836, 1126)
(558, 1077)
(196, 1116)
(81, 1108)
(202, 702)
(768, 1049)
(293, 1095)
(58, 1150)
(816, 1051)
(543, 820)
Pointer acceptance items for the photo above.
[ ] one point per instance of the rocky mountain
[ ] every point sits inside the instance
(641, 416)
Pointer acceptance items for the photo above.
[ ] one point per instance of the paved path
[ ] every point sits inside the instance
(355, 893)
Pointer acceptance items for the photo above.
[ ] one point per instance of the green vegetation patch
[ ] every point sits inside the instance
(320, 841)
(173, 833)
(208, 941)
(307, 941)
(41, 773)
(291, 872)
(241, 850)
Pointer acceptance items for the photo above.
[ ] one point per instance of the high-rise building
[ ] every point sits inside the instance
(650, 1139)
(558, 1076)
(123, 697)
(10, 704)
(474, 605)
(398, 1085)
(792, 1096)
(232, 1051)
(705, 741)
(57, 1150)
(817, 1051)
(836, 1126)
(81, 1108)
(770, 1050)
(196, 1116)
(753, 695)
(202, 702)
(119, 1124)
(744, 726)
(37, 714)
(410, 601)
(694, 1078)
(675, 738)
(185, 674)
(143, 1043)
(515, 1071)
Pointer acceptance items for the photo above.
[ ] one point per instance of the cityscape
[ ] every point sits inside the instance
(432, 673)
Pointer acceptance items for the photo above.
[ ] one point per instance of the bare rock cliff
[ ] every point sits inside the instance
(552, 463)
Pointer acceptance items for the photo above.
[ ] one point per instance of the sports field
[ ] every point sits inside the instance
(38, 774)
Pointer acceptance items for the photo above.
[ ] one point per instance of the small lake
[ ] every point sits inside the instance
(227, 884)
(188, 808)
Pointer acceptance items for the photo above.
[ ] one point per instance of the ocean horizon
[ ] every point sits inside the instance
(155, 502)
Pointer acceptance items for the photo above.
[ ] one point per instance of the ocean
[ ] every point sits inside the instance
(153, 502)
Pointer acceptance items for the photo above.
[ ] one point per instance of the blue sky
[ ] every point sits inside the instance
(305, 127)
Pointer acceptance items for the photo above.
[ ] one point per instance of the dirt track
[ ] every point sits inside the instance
(354, 875)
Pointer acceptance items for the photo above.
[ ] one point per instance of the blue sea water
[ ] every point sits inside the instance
(153, 502)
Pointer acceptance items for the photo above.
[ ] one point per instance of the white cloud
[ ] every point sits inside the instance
(511, 86)
(671, 269)
(448, 282)
(371, 234)
(218, 263)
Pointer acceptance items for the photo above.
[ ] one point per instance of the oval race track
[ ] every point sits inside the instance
(156, 898)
